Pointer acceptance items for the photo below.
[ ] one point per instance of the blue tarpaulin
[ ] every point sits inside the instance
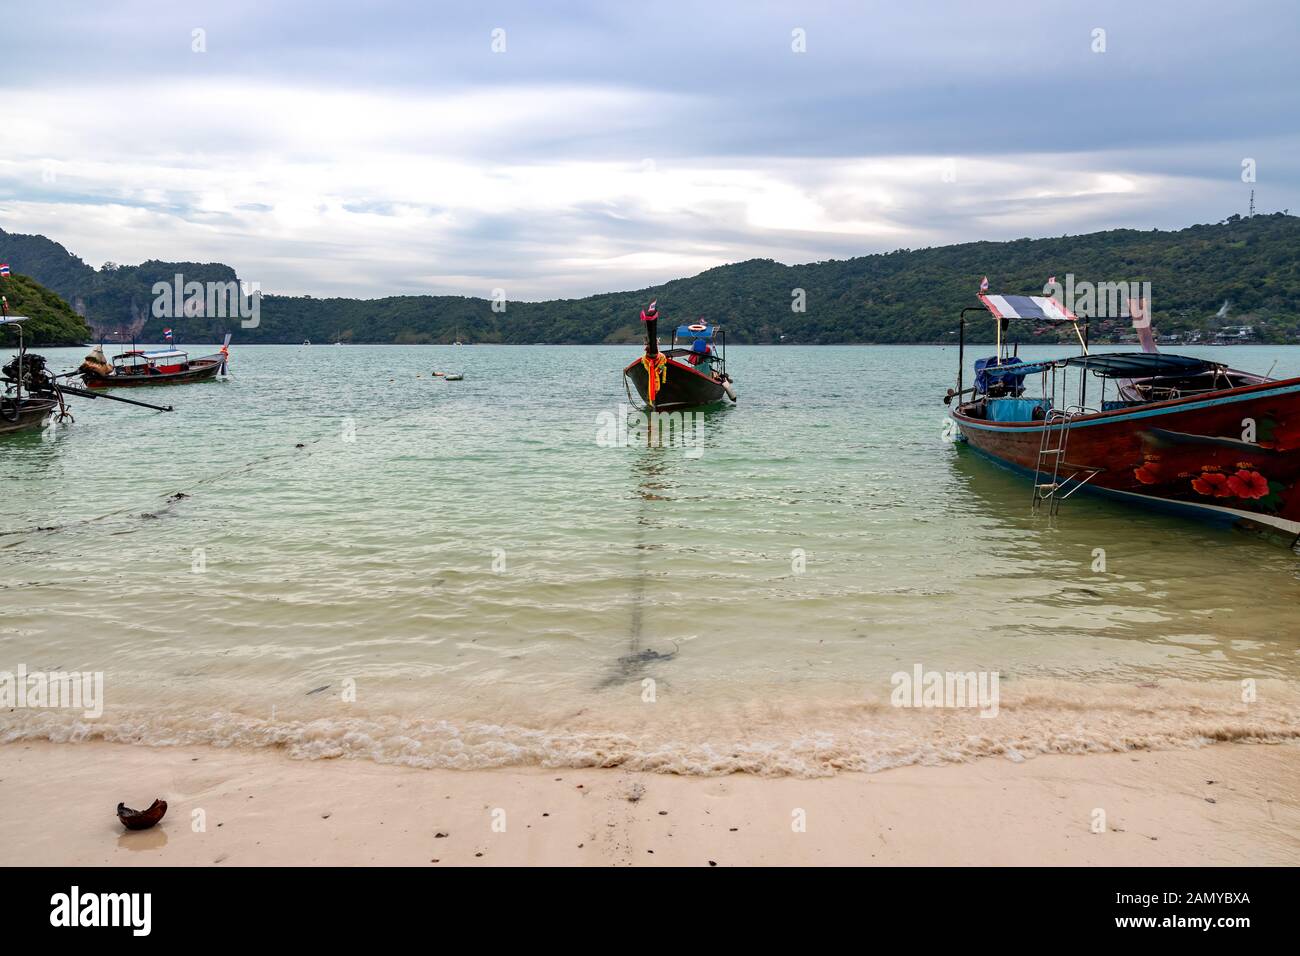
(989, 370)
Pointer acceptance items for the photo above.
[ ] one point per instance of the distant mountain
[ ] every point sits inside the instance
(113, 299)
(51, 320)
(1249, 264)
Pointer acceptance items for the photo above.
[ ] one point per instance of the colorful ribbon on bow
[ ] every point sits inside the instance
(656, 373)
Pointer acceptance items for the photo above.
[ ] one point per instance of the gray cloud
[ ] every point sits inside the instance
(320, 148)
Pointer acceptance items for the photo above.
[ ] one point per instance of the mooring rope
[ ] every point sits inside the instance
(196, 483)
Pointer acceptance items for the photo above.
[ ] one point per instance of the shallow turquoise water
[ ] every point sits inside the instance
(498, 584)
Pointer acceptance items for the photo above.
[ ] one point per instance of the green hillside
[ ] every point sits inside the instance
(52, 321)
(115, 297)
(911, 295)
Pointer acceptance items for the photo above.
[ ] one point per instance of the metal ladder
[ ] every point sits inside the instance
(1051, 451)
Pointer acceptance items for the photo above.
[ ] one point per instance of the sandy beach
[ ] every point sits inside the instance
(1228, 804)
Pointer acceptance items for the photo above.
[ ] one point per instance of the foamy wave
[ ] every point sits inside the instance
(804, 738)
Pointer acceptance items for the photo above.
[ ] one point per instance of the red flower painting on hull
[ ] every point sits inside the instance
(1146, 474)
(1248, 484)
(1213, 484)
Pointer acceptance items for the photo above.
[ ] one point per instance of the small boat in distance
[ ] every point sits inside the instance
(1175, 433)
(687, 376)
(161, 367)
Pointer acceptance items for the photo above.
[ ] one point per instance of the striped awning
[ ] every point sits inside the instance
(1039, 308)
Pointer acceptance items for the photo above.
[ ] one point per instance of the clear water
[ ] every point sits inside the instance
(502, 587)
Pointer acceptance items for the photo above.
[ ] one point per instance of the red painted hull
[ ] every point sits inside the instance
(1188, 453)
(199, 370)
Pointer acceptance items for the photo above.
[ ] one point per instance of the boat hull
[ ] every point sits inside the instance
(683, 387)
(200, 370)
(30, 414)
(1192, 455)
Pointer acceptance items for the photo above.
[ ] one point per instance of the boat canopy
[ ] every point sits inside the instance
(1039, 308)
(1107, 365)
(700, 330)
(152, 356)
(1141, 364)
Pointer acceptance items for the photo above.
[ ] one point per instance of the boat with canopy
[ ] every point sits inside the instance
(1172, 432)
(690, 373)
(30, 395)
(169, 366)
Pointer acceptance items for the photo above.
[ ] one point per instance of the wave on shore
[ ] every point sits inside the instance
(800, 736)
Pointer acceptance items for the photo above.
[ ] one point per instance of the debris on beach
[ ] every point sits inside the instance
(141, 819)
(629, 666)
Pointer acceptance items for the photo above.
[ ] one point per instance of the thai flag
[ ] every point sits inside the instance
(984, 284)
(4, 269)
(167, 334)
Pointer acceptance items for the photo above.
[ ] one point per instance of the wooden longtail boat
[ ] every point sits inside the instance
(1174, 433)
(686, 376)
(18, 413)
(163, 367)
(29, 394)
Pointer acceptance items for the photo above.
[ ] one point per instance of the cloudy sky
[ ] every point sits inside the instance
(564, 148)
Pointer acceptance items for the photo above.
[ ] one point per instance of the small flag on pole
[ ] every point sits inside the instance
(167, 334)
(984, 284)
(4, 270)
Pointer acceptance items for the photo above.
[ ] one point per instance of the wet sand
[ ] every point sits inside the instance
(1231, 804)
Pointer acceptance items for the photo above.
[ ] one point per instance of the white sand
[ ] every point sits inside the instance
(263, 808)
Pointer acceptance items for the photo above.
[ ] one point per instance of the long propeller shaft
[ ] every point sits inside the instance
(86, 393)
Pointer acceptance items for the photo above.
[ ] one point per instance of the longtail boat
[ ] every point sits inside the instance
(688, 375)
(19, 410)
(160, 367)
(30, 395)
(1169, 432)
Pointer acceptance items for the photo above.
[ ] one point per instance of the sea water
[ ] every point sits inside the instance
(338, 554)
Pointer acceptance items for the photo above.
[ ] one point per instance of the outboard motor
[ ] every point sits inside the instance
(36, 381)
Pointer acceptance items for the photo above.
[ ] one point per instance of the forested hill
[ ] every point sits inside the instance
(1248, 265)
(50, 320)
(114, 298)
